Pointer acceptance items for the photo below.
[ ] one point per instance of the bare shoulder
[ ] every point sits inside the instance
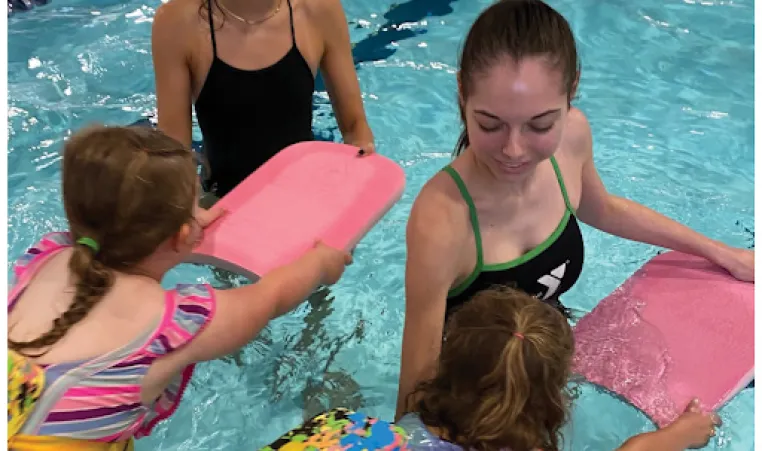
(326, 15)
(321, 9)
(579, 136)
(177, 16)
(439, 214)
(174, 33)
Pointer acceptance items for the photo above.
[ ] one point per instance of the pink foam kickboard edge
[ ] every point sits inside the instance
(680, 327)
(308, 191)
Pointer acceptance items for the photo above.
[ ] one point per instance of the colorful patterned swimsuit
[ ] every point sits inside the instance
(95, 403)
(344, 430)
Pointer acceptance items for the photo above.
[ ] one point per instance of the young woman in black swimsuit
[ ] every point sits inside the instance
(248, 67)
(506, 211)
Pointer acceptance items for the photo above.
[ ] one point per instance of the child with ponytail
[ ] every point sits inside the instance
(500, 385)
(99, 352)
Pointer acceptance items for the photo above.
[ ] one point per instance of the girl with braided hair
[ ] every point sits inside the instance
(115, 349)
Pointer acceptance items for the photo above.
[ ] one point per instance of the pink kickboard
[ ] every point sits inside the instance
(679, 328)
(308, 191)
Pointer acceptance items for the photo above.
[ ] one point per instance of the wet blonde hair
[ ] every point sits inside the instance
(502, 375)
(127, 188)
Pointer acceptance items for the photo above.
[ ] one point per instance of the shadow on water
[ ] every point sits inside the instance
(15, 6)
(335, 387)
(377, 46)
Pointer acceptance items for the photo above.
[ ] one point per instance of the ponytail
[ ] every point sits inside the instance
(502, 375)
(126, 190)
(510, 384)
(92, 282)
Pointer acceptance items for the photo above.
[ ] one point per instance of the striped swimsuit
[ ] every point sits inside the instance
(98, 399)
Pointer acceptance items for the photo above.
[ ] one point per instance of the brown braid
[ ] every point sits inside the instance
(94, 281)
(128, 188)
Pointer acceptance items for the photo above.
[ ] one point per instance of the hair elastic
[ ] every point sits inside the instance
(89, 242)
(518, 335)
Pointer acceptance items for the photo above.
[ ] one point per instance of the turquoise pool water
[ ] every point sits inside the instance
(668, 88)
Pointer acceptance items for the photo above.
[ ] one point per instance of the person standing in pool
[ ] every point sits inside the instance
(506, 210)
(249, 68)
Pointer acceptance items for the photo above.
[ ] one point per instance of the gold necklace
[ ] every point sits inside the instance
(247, 21)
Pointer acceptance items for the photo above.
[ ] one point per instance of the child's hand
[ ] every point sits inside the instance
(334, 261)
(693, 427)
(206, 217)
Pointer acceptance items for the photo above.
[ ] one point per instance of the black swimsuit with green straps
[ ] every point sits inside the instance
(547, 271)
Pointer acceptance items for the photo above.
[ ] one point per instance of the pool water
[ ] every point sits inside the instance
(667, 86)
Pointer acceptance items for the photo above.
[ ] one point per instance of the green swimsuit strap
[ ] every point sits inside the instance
(562, 184)
(471, 210)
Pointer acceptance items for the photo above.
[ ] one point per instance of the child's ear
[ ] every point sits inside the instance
(182, 238)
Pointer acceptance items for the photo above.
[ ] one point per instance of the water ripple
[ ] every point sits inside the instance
(668, 89)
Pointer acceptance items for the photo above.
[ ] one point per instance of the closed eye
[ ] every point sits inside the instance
(489, 129)
(541, 129)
